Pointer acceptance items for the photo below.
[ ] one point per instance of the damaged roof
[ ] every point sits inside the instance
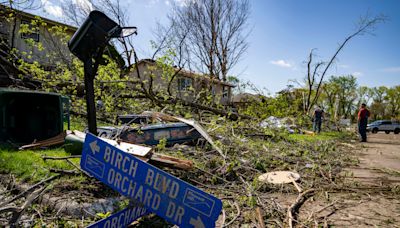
(190, 74)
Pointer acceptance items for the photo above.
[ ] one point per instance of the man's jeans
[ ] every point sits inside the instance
(317, 126)
(362, 129)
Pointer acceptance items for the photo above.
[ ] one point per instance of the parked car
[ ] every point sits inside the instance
(384, 125)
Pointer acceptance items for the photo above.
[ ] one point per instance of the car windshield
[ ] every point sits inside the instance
(376, 122)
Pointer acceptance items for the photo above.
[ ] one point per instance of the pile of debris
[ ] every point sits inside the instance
(135, 140)
(232, 168)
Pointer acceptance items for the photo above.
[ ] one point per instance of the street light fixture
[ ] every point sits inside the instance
(88, 44)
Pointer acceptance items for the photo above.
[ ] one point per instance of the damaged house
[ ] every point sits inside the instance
(50, 49)
(183, 84)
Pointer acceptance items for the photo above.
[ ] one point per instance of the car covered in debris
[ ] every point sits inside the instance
(151, 134)
(384, 125)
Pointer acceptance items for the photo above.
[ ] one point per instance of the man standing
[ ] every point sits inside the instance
(317, 119)
(363, 115)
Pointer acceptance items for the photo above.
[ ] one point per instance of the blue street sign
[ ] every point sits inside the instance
(121, 219)
(161, 193)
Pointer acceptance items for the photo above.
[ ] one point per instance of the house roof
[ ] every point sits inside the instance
(32, 16)
(190, 74)
(245, 97)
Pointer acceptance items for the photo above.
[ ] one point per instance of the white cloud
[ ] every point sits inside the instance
(281, 63)
(167, 2)
(343, 66)
(391, 70)
(84, 4)
(357, 74)
(52, 9)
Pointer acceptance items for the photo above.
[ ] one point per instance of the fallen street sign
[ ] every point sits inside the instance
(161, 193)
(122, 218)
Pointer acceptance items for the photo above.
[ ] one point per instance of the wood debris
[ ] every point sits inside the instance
(171, 162)
(144, 153)
(57, 140)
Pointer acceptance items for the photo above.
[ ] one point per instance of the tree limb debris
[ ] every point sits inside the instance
(260, 218)
(44, 157)
(65, 172)
(294, 208)
(66, 158)
(22, 194)
(30, 199)
(236, 216)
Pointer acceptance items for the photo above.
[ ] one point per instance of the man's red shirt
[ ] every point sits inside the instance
(363, 114)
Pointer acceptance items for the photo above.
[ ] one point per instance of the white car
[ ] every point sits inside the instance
(384, 125)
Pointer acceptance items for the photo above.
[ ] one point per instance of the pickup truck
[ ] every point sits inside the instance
(384, 125)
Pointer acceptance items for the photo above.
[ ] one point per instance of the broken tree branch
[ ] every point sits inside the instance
(365, 26)
(30, 189)
(237, 215)
(31, 198)
(294, 208)
(44, 157)
(260, 218)
(65, 172)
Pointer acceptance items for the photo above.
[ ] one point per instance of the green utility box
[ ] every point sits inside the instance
(27, 115)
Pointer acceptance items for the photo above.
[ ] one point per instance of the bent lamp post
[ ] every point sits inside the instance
(88, 44)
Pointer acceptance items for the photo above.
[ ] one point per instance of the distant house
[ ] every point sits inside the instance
(185, 85)
(11, 36)
(242, 100)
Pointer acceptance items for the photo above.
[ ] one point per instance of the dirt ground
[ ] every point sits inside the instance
(375, 199)
(372, 197)
(379, 157)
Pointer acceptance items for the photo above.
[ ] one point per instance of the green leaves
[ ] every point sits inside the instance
(103, 215)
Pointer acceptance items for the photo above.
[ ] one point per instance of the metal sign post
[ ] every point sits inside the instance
(90, 69)
(161, 193)
(88, 43)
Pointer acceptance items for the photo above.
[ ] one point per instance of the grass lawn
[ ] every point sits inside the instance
(323, 136)
(28, 165)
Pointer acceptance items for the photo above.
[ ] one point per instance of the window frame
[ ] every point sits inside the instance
(225, 92)
(35, 36)
(185, 83)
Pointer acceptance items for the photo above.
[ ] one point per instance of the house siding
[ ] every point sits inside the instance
(50, 42)
(149, 69)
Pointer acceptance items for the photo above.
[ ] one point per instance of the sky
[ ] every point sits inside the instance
(282, 34)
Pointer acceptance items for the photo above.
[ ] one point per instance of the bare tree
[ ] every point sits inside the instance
(316, 72)
(209, 34)
(76, 13)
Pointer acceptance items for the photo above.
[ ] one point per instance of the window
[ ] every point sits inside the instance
(32, 35)
(213, 90)
(184, 84)
(3, 29)
(225, 92)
